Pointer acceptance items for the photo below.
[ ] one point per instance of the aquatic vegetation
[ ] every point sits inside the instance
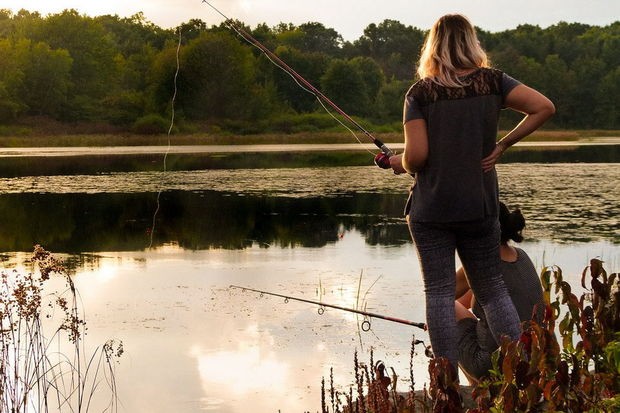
(44, 372)
(569, 362)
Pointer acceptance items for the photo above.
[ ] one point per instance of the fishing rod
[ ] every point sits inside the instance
(381, 159)
(321, 310)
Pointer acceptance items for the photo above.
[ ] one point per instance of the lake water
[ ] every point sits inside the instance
(153, 255)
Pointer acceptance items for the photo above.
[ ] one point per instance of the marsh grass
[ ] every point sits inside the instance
(44, 366)
(45, 133)
(568, 363)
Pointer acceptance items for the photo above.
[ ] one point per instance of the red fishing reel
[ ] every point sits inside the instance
(382, 161)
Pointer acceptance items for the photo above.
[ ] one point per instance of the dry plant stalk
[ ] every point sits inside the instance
(34, 376)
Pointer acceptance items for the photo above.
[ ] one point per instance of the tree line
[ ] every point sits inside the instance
(121, 70)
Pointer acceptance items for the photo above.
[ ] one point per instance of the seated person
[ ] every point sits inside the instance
(476, 342)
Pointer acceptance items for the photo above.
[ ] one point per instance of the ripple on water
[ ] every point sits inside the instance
(559, 201)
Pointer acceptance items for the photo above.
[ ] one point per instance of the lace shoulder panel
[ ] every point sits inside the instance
(482, 82)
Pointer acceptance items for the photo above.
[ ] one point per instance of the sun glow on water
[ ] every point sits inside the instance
(106, 272)
(251, 367)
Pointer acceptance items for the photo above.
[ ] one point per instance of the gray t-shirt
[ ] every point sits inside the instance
(462, 125)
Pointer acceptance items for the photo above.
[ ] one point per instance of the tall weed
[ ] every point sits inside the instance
(43, 372)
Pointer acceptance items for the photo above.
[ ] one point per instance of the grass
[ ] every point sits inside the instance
(42, 132)
(127, 139)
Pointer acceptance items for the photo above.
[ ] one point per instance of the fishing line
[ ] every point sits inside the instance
(305, 85)
(329, 112)
(173, 100)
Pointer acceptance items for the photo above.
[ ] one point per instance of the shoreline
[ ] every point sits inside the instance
(66, 151)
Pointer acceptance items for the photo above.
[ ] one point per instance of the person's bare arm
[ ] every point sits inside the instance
(537, 109)
(462, 312)
(416, 145)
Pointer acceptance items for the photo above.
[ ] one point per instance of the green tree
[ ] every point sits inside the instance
(371, 74)
(46, 78)
(11, 81)
(266, 36)
(20, 25)
(6, 23)
(191, 30)
(530, 40)
(136, 42)
(344, 85)
(131, 34)
(120, 69)
(558, 83)
(217, 80)
(607, 110)
(610, 49)
(564, 40)
(391, 99)
(395, 46)
(92, 50)
(311, 66)
(312, 37)
(582, 92)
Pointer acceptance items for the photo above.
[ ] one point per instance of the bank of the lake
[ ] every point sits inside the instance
(72, 160)
(66, 137)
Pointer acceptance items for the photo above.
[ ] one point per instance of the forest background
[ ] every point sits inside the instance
(110, 74)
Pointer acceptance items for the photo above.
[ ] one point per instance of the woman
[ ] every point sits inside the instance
(450, 126)
(476, 342)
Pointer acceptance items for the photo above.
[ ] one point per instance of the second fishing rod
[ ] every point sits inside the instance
(322, 306)
(381, 159)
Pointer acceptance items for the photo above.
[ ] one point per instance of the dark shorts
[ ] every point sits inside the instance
(472, 358)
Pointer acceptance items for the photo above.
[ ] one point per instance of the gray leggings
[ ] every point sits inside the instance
(477, 243)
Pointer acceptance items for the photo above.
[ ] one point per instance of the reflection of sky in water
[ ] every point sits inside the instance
(191, 343)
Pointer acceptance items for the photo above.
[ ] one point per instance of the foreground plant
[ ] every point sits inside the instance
(41, 372)
(580, 375)
(573, 369)
(374, 389)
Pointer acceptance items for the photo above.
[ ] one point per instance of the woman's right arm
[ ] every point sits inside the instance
(537, 109)
(416, 145)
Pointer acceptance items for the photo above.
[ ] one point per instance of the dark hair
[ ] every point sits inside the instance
(511, 223)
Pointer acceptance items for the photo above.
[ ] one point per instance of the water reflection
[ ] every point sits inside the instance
(123, 222)
(331, 234)
(251, 365)
(193, 344)
(309, 207)
(565, 202)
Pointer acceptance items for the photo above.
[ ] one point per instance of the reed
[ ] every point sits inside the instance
(53, 372)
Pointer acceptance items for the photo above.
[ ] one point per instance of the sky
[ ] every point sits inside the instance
(347, 17)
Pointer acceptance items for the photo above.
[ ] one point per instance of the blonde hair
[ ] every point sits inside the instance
(450, 46)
